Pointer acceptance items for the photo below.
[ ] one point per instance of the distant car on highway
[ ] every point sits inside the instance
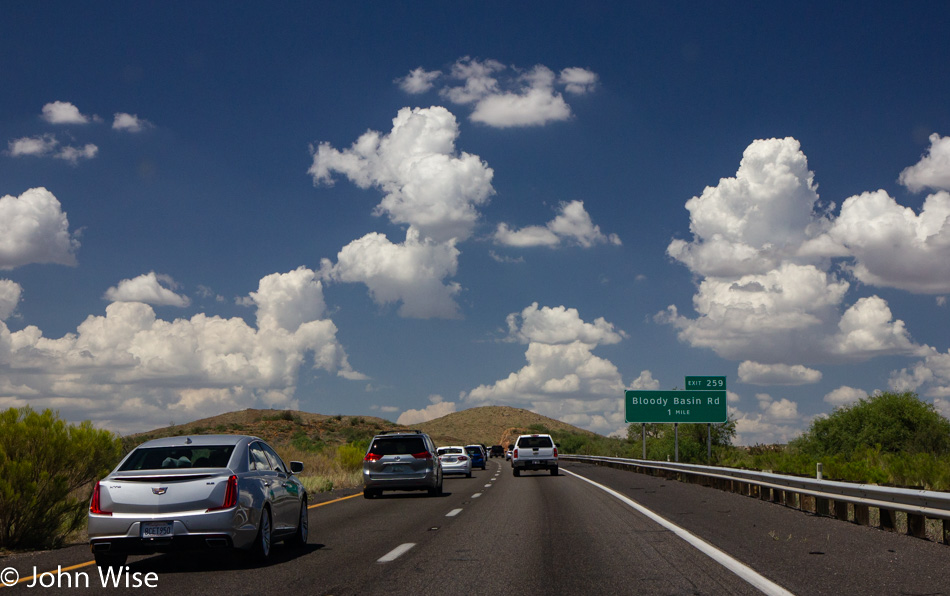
(455, 460)
(497, 451)
(508, 452)
(477, 453)
(534, 452)
(196, 492)
(401, 460)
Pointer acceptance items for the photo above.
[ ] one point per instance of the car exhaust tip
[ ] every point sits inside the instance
(217, 542)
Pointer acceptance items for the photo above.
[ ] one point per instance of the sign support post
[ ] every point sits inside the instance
(676, 440)
(643, 438)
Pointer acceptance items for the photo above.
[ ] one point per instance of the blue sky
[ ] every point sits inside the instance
(409, 209)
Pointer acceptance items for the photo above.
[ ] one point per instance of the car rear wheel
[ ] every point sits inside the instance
(554, 471)
(370, 493)
(436, 490)
(516, 472)
(262, 546)
(303, 526)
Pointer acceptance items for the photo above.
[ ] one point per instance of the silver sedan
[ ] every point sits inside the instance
(196, 492)
(455, 461)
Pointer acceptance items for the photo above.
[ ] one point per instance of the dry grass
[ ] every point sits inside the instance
(323, 470)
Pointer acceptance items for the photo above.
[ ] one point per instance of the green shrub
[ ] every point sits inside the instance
(891, 422)
(46, 472)
(350, 456)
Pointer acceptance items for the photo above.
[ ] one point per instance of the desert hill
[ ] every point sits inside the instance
(491, 425)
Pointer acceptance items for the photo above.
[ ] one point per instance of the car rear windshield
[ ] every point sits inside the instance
(535, 442)
(398, 446)
(473, 450)
(164, 458)
(448, 450)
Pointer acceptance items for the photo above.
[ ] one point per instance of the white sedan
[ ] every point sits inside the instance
(455, 461)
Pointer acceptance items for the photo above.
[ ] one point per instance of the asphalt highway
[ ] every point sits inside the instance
(537, 534)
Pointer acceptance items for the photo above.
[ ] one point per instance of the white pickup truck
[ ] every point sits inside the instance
(534, 452)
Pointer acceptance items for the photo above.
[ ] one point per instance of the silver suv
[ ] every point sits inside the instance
(401, 460)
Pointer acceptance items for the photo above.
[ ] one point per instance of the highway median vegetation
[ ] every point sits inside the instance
(47, 470)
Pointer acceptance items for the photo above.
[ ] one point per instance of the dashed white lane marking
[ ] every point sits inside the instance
(476, 495)
(748, 574)
(453, 513)
(396, 552)
(487, 486)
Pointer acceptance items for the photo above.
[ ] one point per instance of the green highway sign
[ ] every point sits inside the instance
(706, 383)
(676, 406)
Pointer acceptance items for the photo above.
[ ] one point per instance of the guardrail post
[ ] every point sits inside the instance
(822, 506)
(841, 510)
(916, 525)
(778, 496)
(946, 531)
(888, 520)
(862, 515)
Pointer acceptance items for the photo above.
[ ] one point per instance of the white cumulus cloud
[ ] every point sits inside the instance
(774, 263)
(10, 292)
(504, 97)
(130, 123)
(436, 409)
(148, 288)
(427, 184)
(572, 224)
(844, 395)
(412, 273)
(755, 373)
(562, 378)
(63, 112)
(130, 370)
(418, 80)
(933, 169)
(34, 229)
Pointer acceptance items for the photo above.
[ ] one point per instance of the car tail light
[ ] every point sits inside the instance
(555, 452)
(514, 453)
(462, 458)
(230, 495)
(422, 455)
(372, 457)
(94, 506)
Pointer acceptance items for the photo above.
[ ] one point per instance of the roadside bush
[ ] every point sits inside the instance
(46, 472)
(890, 422)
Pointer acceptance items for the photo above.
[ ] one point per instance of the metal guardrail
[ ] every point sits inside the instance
(831, 497)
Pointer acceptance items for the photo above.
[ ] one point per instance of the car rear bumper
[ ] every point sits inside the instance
(534, 464)
(123, 533)
(400, 482)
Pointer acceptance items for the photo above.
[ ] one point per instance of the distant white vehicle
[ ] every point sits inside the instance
(534, 452)
(455, 460)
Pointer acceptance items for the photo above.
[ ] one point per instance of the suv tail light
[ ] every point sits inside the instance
(372, 457)
(230, 495)
(514, 453)
(94, 506)
(555, 452)
(422, 455)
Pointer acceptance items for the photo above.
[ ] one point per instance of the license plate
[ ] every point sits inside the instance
(157, 529)
(536, 462)
(398, 469)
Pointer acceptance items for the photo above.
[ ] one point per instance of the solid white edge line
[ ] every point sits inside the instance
(453, 513)
(395, 553)
(741, 569)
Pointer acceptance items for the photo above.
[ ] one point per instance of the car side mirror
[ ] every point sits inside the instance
(296, 467)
